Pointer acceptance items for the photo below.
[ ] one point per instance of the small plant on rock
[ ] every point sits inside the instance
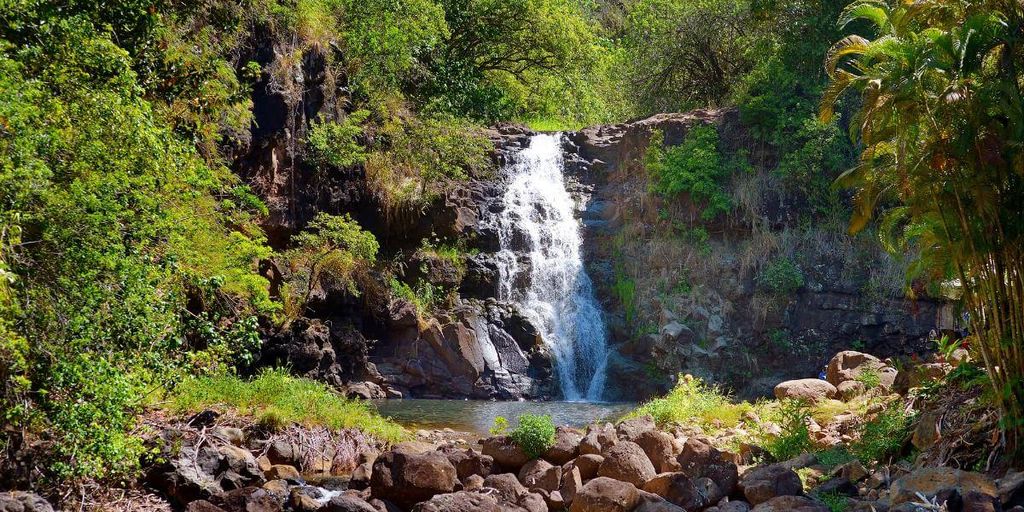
(883, 437)
(870, 377)
(500, 426)
(534, 434)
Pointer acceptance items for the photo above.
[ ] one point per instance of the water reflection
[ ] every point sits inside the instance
(477, 416)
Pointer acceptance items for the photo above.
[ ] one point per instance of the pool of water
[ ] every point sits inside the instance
(477, 416)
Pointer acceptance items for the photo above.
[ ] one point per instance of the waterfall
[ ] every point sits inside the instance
(538, 221)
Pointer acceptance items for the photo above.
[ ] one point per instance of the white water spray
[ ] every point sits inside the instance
(539, 220)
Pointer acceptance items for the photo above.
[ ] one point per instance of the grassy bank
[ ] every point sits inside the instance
(276, 398)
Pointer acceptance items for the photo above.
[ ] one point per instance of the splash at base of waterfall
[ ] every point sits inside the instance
(539, 220)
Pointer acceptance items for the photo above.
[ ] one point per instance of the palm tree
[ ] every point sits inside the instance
(941, 123)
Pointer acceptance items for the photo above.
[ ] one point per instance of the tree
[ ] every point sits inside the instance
(941, 123)
(685, 53)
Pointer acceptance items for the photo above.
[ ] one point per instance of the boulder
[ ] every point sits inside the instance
(627, 462)
(1011, 488)
(473, 483)
(811, 390)
(346, 503)
(571, 484)
(469, 462)
(461, 501)
(699, 459)
(507, 486)
(247, 499)
(532, 502)
(604, 494)
(195, 506)
(630, 430)
(762, 484)
(849, 365)
(555, 501)
(590, 444)
(566, 447)
(283, 472)
(708, 489)
(660, 448)
(505, 452)
(407, 479)
(791, 504)
(850, 389)
(361, 477)
(540, 474)
(678, 489)
(199, 474)
(939, 481)
(588, 465)
(730, 506)
(20, 501)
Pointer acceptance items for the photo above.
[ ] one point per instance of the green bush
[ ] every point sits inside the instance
(337, 144)
(795, 438)
(781, 276)
(534, 434)
(694, 167)
(870, 377)
(883, 438)
(694, 403)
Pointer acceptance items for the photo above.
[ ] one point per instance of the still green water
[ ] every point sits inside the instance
(477, 416)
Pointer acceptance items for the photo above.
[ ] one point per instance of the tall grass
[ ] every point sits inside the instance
(694, 403)
(276, 397)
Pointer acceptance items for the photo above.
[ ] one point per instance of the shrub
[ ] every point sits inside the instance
(834, 501)
(883, 437)
(795, 438)
(781, 276)
(500, 426)
(534, 434)
(692, 402)
(694, 167)
(870, 377)
(834, 457)
(337, 144)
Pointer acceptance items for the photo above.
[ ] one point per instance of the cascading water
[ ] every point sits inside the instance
(539, 220)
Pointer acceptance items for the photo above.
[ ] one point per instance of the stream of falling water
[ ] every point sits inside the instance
(539, 220)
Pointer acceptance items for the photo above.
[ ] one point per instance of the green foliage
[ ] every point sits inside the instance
(277, 398)
(425, 295)
(534, 434)
(883, 438)
(781, 276)
(834, 457)
(834, 501)
(337, 144)
(112, 225)
(939, 90)
(331, 251)
(870, 377)
(795, 439)
(694, 403)
(624, 289)
(694, 167)
(684, 53)
(500, 426)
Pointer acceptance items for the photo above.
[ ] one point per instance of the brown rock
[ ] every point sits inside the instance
(566, 447)
(850, 389)
(930, 482)
(195, 506)
(849, 365)
(660, 449)
(361, 476)
(700, 459)
(555, 501)
(247, 499)
(588, 465)
(1011, 488)
(630, 430)
(627, 462)
(505, 452)
(473, 483)
(407, 479)
(283, 472)
(469, 462)
(462, 501)
(540, 474)
(590, 444)
(346, 503)
(812, 390)
(532, 502)
(507, 486)
(571, 484)
(604, 494)
(678, 489)
(926, 433)
(762, 484)
(791, 504)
